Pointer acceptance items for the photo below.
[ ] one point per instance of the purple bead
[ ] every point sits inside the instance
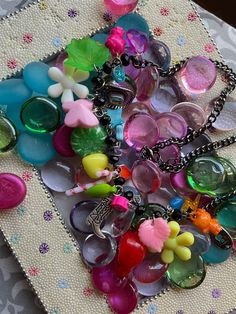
(120, 7)
(137, 41)
(170, 154)
(180, 184)
(171, 125)
(147, 82)
(158, 53)
(135, 107)
(141, 129)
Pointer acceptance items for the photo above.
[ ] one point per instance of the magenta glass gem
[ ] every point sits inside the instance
(135, 107)
(140, 130)
(180, 184)
(151, 269)
(170, 154)
(171, 125)
(146, 176)
(125, 300)
(147, 82)
(137, 41)
(198, 75)
(12, 191)
(61, 141)
(120, 7)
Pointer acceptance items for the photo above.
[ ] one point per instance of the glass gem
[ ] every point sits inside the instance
(163, 194)
(171, 125)
(198, 75)
(135, 107)
(193, 114)
(170, 154)
(61, 141)
(180, 183)
(226, 214)
(215, 254)
(118, 74)
(100, 37)
(36, 149)
(187, 274)
(153, 288)
(125, 300)
(8, 136)
(80, 213)
(58, 175)
(12, 191)
(14, 92)
(146, 176)
(203, 139)
(137, 41)
(40, 115)
(159, 53)
(13, 114)
(60, 60)
(140, 130)
(88, 141)
(137, 194)
(120, 7)
(98, 252)
(133, 21)
(147, 82)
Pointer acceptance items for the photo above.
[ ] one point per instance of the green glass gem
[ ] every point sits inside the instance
(230, 177)
(88, 141)
(187, 274)
(8, 135)
(40, 115)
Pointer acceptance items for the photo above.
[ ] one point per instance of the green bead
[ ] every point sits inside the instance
(8, 136)
(187, 274)
(88, 141)
(101, 190)
(230, 177)
(40, 115)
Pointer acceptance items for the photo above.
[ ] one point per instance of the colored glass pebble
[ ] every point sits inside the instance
(100, 37)
(120, 7)
(40, 115)
(12, 191)
(133, 21)
(159, 53)
(14, 92)
(8, 136)
(153, 288)
(230, 177)
(58, 175)
(137, 41)
(180, 183)
(88, 141)
(141, 129)
(118, 74)
(226, 215)
(136, 107)
(13, 114)
(203, 139)
(36, 77)
(61, 141)
(202, 241)
(147, 82)
(187, 274)
(216, 255)
(36, 149)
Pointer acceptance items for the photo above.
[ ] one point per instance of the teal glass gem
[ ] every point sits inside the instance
(8, 136)
(14, 92)
(187, 274)
(215, 254)
(226, 215)
(88, 141)
(118, 74)
(40, 115)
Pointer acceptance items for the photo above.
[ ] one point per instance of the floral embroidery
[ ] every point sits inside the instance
(165, 11)
(57, 42)
(12, 64)
(158, 31)
(33, 271)
(27, 176)
(216, 293)
(43, 248)
(142, 3)
(15, 239)
(152, 308)
(209, 48)
(88, 291)
(181, 41)
(192, 16)
(211, 312)
(42, 5)
(68, 248)
(180, 312)
(107, 16)
(72, 13)
(48, 215)
(55, 310)
(21, 211)
(28, 38)
(63, 283)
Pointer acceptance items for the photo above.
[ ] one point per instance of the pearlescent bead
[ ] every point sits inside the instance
(120, 7)
(171, 125)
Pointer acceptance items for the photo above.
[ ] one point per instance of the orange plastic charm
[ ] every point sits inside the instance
(203, 221)
(125, 172)
(190, 204)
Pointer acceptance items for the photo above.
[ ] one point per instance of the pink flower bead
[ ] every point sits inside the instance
(120, 203)
(115, 42)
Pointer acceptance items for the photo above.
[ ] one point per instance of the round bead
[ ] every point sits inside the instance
(125, 59)
(12, 191)
(99, 102)
(120, 7)
(147, 82)
(40, 115)
(133, 21)
(113, 159)
(8, 136)
(105, 120)
(129, 195)
(107, 68)
(61, 141)
(140, 130)
(159, 53)
(119, 181)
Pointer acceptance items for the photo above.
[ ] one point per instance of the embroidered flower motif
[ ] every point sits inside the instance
(48, 215)
(55, 310)
(107, 16)
(21, 211)
(224, 78)
(209, 48)
(15, 239)
(88, 291)
(152, 308)
(72, 13)
(27, 176)
(12, 64)
(211, 312)
(216, 293)
(68, 248)
(28, 38)
(192, 16)
(165, 11)
(57, 42)
(180, 312)
(63, 283)
(181, 40)
(158, 31)
(42, 5)
(43, 248)
(142, 3)
(33, 271)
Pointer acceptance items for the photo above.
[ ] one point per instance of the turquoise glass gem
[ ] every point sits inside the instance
(40, 115)
(215, 254)
(36, 77)
(14, 92)
(117, 122)
(36, 149)
(13, 113)
(118, 74)
(226, 215)
(133, 21)
(8, 135)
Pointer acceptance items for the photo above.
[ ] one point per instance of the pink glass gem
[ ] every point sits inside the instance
(147, 82)
(137, 41)
(12, 191)
(170, 154)
(125, 300)
(171, 125)
(141, 129)
(120, 7)
(146, 176)
(193, 114)
(198, 75)
(135, 107)
(120, 203)
(180, 184)
(61, 141)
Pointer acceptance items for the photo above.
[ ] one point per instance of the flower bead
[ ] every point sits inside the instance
(177, 244)
(116, 42)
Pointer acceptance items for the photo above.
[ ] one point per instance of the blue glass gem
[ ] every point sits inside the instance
(215, 254)
(117, 122)
(176, 203)
(101, 37)
(14, 92)
(118, 74)
(133, 21)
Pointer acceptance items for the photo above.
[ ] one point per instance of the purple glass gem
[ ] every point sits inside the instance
(125, 300)
(137, 41)
(61, 141)
(170, 154)
(153, 288)
(180, 184)
(171, 125)
(48, 215)
(60, 60)
(141, 129)
(198, 75)
(158, 53)
(135, 107)
(43, 248)
(147, 82)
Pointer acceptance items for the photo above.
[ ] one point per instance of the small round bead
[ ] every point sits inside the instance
(98, 81)
(107, 68)
(105, 120)
(110, 140)
(99, 102)
(113, 159)
(119, 181)
(176, 215)
(125, 59)
(129, 195)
